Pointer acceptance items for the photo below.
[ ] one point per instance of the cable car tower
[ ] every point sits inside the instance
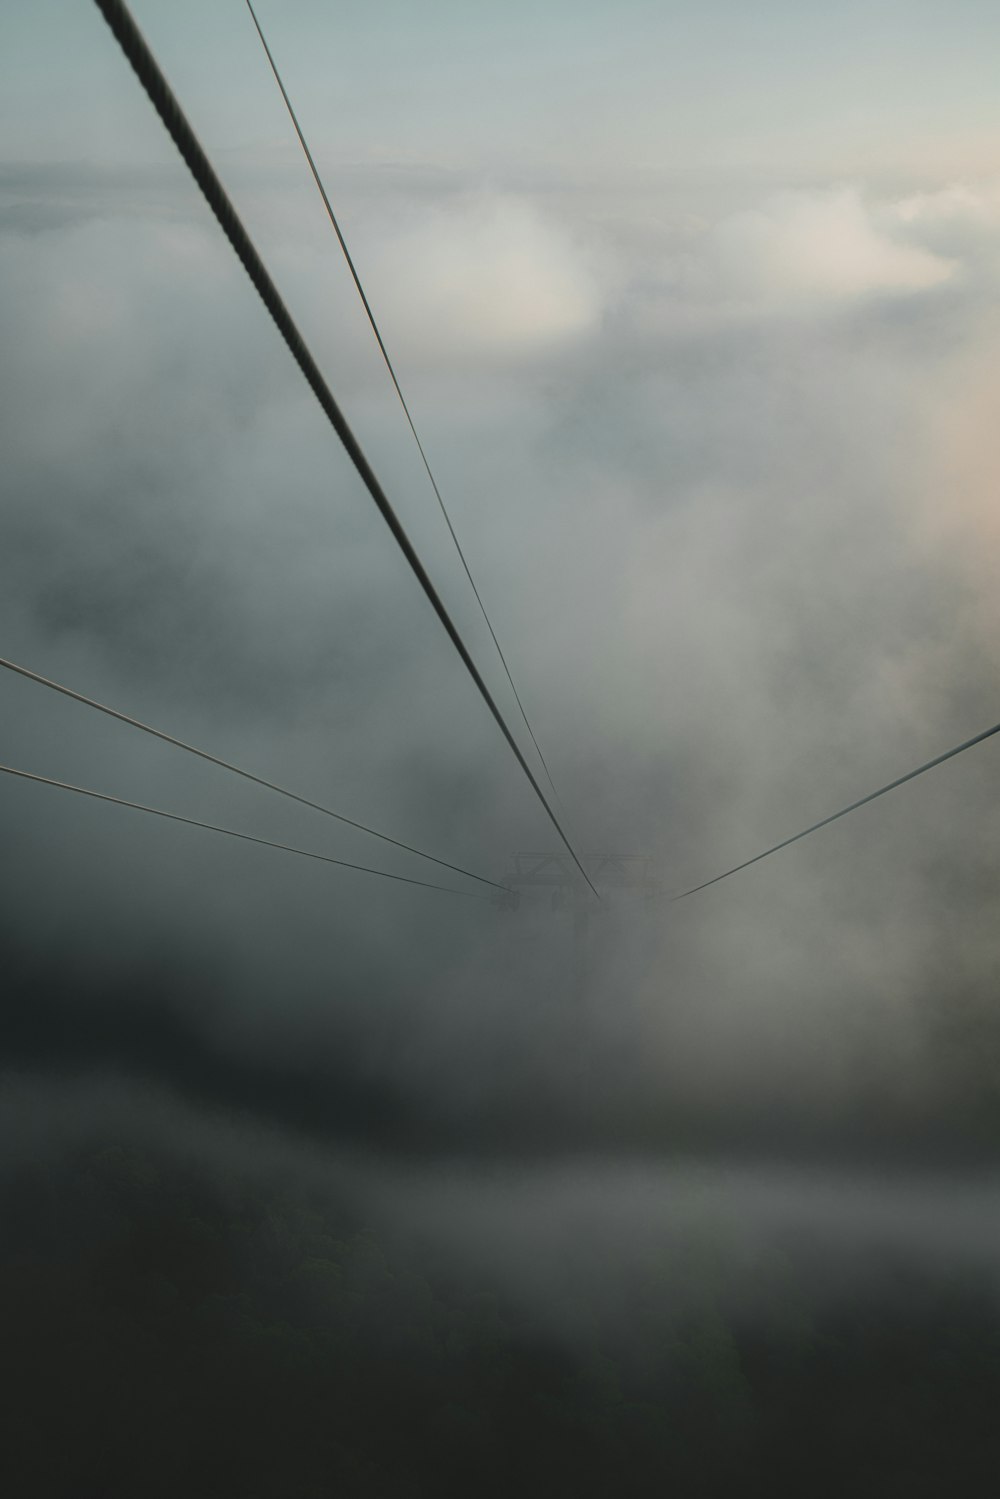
(632, 874)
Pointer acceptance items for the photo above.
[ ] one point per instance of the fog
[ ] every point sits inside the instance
(719, 444)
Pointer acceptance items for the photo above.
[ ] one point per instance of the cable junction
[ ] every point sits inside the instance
(834, 816)
(167, 106)
(212, 827)
(392, 375)
(247, 775)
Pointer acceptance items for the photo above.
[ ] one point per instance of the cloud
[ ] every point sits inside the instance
(486, 274)
(824, 246)
(959, 204)
(708, 562)
(805, 255)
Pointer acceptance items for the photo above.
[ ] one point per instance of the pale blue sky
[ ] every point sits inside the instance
(886, 86)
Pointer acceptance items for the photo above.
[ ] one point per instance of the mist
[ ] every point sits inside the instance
(712, 414)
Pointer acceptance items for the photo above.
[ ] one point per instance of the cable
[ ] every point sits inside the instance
(900, 781)
(392, 375)
(135, 723)
(211, 827)
(167, 106)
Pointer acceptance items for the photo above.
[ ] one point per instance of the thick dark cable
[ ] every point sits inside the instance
(392, 375)
(872, 795)
(165, 102)
(135, 723)
(211, 827)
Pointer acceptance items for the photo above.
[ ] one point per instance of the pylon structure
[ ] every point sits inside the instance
(557, 873)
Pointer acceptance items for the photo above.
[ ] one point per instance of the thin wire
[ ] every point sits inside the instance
(392, 375)
(167, 106)
(872, 795)
(135, 723)
(211, 827)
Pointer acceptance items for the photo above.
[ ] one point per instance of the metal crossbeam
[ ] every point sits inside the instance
(556, 871)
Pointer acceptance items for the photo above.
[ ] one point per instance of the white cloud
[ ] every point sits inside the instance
(957, 204)
(488, 274)
(961, 220)
(819, 245)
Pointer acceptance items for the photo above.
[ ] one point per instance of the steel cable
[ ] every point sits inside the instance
(135, 723)
(212, 827)
(167, 106)
(392, 375)
(872, 795)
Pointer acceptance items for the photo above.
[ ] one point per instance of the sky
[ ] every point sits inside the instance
(695, 309)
